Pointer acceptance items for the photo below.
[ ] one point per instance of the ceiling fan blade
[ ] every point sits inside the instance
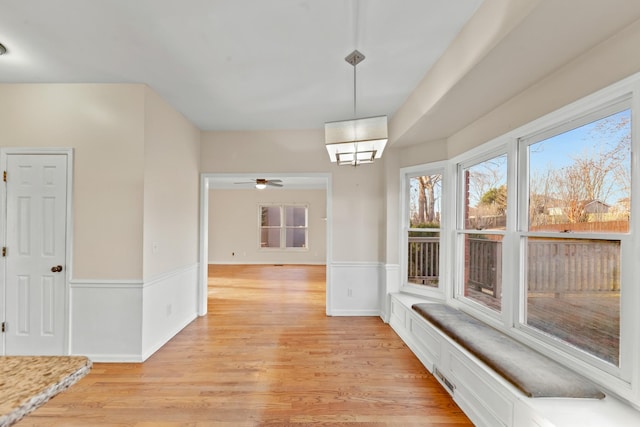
(245, 182)
(274, 184)
(275, 180)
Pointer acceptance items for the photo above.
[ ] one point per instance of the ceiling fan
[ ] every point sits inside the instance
(262, 183)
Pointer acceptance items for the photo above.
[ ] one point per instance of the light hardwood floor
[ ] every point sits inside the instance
(266, 354)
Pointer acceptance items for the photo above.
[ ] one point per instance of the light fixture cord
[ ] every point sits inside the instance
(354, 92)
(356, 16)
(355, 65)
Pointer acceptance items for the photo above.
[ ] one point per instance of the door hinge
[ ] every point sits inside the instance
(4, 251)
(4, 326)
(4, 176)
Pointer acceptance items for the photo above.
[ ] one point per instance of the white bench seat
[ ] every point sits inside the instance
(489, 397)
(529, 371)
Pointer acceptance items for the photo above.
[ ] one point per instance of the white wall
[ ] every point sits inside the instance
(608, 62)
(357, 217)
(170, 224)
(171, 179)
(233, 226)
(104, 124)
(358, 204)
(135, 182)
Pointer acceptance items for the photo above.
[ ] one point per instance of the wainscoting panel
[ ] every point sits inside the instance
(355, 288)
(169, 304)
(391, 285)
(129, 320)
(106, 320)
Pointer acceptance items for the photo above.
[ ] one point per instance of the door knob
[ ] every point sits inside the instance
(56, 269)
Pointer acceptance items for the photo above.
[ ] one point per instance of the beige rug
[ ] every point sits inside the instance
(27, 382)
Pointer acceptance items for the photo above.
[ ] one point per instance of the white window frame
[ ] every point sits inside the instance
(406, 174)
(496, 149)
(589, 115)
(625, 380)
(283, 227)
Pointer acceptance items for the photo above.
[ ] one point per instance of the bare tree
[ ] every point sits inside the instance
(427, 198)
(540, 198)
(485, 176)
(595, 173)
(572, 192)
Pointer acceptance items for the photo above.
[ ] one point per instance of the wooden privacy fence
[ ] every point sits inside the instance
(562, 266)
(553, 265)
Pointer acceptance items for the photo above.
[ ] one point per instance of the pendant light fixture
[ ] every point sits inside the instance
(356, 141)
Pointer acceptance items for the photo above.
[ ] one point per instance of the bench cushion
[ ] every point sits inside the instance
(531, 372)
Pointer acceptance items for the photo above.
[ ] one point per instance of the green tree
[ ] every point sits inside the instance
(495, 198)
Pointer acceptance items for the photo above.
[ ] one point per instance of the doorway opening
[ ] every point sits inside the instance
(291, 181)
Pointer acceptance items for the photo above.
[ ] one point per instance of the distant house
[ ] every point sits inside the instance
(596, 207)
(555, 207)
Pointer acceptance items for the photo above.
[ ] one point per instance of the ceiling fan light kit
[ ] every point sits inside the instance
(261, 183)
(356, 141)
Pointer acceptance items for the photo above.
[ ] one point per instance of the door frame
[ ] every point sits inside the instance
(4, 152)
(208, 178)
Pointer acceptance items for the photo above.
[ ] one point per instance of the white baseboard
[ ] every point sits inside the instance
(264, 263)
(355, 313)
(113, 358)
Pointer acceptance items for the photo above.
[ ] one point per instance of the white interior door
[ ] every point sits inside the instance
(35, 286)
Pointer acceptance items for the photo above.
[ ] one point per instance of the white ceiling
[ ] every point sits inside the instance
(236, 64)
(279, 64)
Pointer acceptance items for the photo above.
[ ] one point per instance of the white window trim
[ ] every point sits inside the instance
(622, 371)
(499, 147)
(625, 381)
(283, 227)
(438, 293)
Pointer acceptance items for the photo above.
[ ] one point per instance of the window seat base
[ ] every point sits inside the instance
(529, 371)
(486, 397)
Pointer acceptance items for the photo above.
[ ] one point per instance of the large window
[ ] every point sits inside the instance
(423, 233)
(544, 234)
(544, 227)
(283, 226)
(579, 198)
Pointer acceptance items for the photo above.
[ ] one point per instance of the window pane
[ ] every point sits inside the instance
(295, 216)
(296, 237)
(483, 269)
(424, 201)
(270, 237)
(270, 216)
(580, 180)
(423, 266)
(573, 293)
(486, 195)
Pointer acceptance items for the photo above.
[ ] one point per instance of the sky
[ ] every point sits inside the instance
(560, 151)
(553, 153)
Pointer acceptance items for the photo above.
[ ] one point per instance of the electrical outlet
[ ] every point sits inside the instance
(169, 309)
(349, 292)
